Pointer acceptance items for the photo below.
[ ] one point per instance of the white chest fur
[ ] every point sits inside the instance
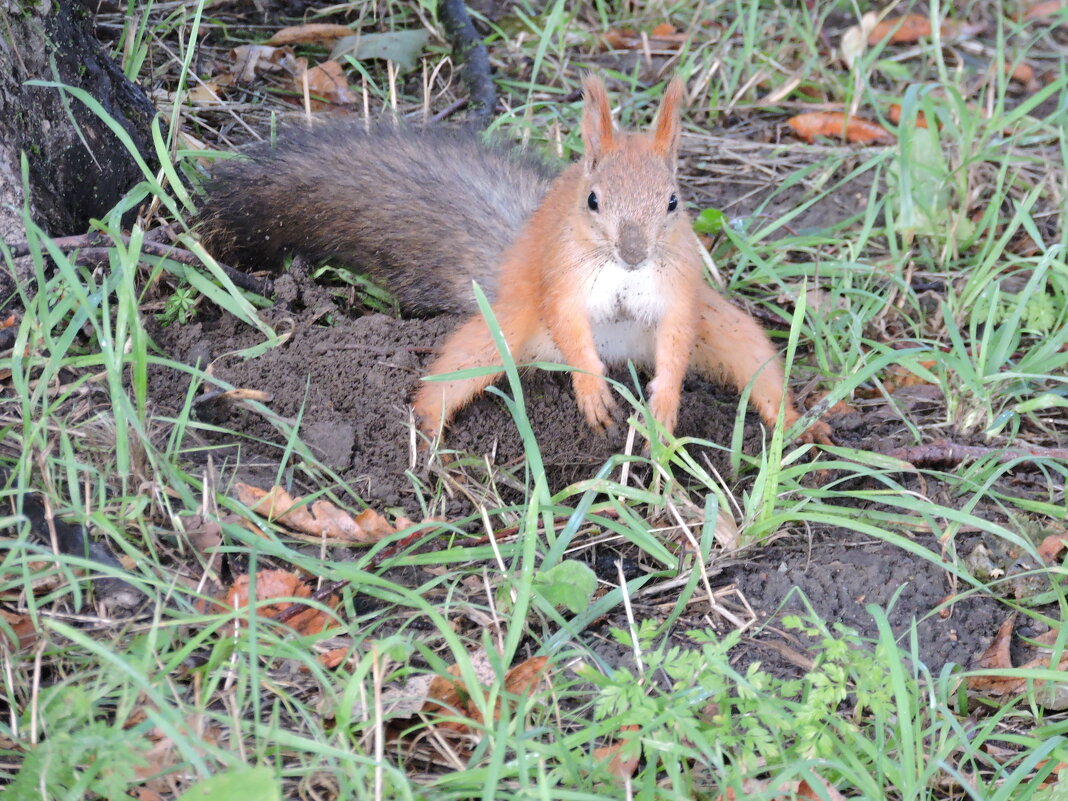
(624, 308)
(616, 294)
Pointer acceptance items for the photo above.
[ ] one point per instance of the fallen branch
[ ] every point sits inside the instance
(94, 247)
(470, 51)
(946, 453)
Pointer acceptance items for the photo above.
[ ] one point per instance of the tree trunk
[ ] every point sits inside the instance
(78, 169)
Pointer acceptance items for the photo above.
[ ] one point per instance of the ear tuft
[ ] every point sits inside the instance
(667, 126)
(597, 128)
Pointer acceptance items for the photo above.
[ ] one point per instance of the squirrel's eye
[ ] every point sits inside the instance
(591, 201)
(673, 203)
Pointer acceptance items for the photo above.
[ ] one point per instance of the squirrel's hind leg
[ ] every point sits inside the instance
(468, 347)
(732, 346)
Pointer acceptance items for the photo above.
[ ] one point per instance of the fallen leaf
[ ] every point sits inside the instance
(894, 115)
(812, 124)
(1023, 73)
(898, 30)
(204, 93)
(829, 793)
(327, 86)
(855, 40)
(403, 48)
(662, 37)
(899, 377)
(163, 756)
(204, 534)
(320, 519)
(334, 657)
(524, 677)
(448, 695)
(315, 33)
(10, 320)
(272, 584)
(1045, 9)
(249, 61)
(622, 757)
(997, 657)
(1050, 548)
(21, 627)
(912, 27)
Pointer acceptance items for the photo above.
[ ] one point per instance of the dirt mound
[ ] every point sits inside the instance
(345, 385)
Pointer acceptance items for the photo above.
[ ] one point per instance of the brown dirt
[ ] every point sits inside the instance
(347, 383)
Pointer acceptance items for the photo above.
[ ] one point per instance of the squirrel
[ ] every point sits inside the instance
(597, 264)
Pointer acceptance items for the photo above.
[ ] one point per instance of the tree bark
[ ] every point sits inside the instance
(78, 169)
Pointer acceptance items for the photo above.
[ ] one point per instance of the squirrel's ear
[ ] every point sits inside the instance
(597, 127)
(667, 126)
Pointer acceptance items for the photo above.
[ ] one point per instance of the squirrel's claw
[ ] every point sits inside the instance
(595, 401)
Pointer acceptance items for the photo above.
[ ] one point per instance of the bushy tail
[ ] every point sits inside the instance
(423, 211)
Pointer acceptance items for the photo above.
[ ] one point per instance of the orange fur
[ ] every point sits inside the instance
(605, 252)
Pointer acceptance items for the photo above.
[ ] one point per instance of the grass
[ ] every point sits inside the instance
(105, 706)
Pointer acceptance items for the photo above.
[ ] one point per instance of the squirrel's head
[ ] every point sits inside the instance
(629, 195)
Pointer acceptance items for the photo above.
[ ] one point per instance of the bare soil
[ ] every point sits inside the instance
(346, 381)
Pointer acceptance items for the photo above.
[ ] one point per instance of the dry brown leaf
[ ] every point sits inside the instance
(203, 533)
(855, 39)
(1045, 9)
(327, 86)
(249, 61)
(830, 793)
(334, 657)
(662, 37)
(10, 320)
(164, 756)
(997, 657)
(898, 377)
(622, 757)
(898, 30)
(524, 677)
(21, 626)
(315, 33)
(812, 124)
(448, 694)
(894, 115)
(1050, 548)
(377, 527)
(204, 93)
(271, 584)
(320, 519)
(911, 27)
(1023, 73)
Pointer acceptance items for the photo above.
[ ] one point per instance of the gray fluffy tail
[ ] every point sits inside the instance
(422, 211)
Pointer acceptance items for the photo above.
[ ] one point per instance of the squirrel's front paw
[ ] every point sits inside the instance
(817, 432)
(664, 404)
(595, 401)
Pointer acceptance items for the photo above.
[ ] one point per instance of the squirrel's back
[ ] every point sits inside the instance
(424, 211)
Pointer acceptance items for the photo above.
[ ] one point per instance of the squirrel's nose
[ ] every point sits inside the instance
(633, 247)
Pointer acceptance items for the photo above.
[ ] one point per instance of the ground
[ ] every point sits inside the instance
(347, 381)
(917, 282)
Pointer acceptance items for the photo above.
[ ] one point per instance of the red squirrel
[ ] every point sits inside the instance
(597, 265)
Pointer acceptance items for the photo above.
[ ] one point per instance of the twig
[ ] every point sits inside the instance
(449, 110)
(470, 51)
(944, 452)
(94, 247)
